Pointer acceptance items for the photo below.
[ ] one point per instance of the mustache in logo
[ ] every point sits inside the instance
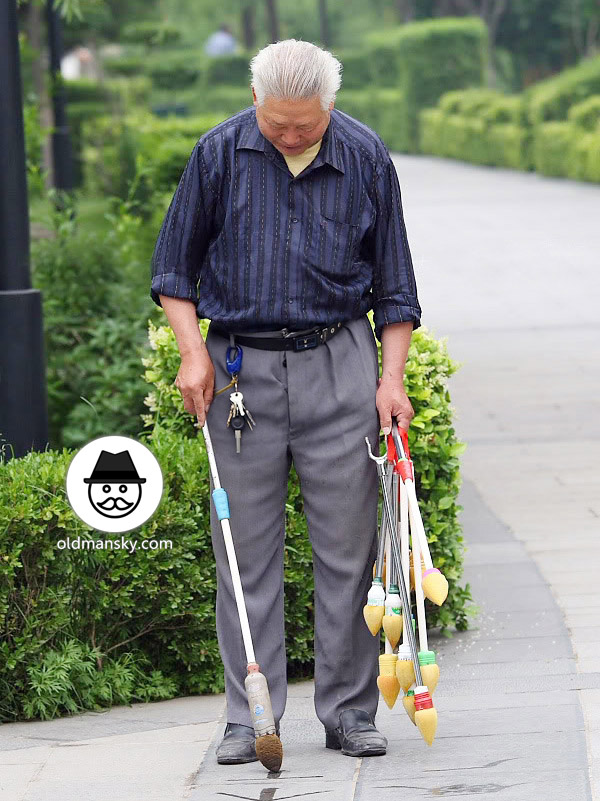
(114, 503)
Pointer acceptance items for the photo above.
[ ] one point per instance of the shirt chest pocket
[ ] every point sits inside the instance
(333, 243)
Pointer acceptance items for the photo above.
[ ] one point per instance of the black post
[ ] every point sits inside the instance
(61, 141)
(23, 411)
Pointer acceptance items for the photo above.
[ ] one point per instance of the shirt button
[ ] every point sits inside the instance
(290, 300)
(295, 220)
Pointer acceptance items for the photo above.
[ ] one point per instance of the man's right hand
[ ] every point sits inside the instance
(196, 382)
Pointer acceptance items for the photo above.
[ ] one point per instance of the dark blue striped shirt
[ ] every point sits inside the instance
(255, 248)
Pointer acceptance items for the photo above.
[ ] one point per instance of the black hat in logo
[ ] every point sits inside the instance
(114, 467)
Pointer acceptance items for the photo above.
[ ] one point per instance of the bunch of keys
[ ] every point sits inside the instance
(239, 415)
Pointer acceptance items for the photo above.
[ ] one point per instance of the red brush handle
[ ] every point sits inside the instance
(392, 453)
(404, 437)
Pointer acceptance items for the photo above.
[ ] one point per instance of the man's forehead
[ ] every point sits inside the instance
(301, 112)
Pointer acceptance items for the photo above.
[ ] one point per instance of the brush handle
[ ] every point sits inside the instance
(420, 598)
(416, 523)
(412, 641)
(383, 532)
(222, 507)
(404, 548)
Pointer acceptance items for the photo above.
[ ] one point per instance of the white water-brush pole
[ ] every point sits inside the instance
(268, 745)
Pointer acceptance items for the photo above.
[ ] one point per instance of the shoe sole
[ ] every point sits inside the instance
(235, 760)
(332, 741)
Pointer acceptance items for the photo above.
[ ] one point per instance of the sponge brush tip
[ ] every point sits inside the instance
(269, 751)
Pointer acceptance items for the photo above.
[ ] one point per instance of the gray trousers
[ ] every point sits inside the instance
(312, 408)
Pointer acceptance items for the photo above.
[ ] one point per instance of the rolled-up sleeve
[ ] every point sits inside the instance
(184, 235)
(394, 286)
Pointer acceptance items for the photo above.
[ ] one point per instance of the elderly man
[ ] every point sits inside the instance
(285, 230)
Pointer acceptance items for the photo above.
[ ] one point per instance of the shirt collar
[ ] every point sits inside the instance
(252, 139)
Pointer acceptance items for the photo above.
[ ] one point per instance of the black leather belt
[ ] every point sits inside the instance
(287, 340)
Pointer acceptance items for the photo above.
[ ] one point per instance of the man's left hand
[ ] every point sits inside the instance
(392, 401)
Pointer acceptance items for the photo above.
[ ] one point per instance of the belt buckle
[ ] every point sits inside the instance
(306, 342)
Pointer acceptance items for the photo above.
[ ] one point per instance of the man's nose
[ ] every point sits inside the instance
(288, 141)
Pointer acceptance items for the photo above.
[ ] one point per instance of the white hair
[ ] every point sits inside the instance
(295, 70)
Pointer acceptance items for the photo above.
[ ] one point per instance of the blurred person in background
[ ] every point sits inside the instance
(221, 42)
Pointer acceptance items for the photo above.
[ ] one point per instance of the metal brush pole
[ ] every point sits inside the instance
(387, 510)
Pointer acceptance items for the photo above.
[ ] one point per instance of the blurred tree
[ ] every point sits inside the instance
(272, 20)
(581, 18)
(406, 9)
(324, 23)
(247, 25)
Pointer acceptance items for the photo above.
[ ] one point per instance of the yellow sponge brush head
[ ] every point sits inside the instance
(389, 688)
(435, 586)
(392, 625)
(405, 673)
(373, 616)
(425, 714)
(430, 675)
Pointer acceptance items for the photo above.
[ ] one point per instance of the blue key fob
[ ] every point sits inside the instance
(233, 359)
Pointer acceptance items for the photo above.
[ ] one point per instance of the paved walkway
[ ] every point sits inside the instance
(507, 267)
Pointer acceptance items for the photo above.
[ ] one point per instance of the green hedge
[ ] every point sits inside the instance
(436, 56)
(382, 62)
(232, 69)
(551, 147)
(563, 149)
(116, 149)
(477, 125)
(150, 33)
(552, 99)
(176, 69)
(586, 115)
(380, 109)
(88, 100)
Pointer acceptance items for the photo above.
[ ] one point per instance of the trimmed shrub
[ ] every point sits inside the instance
(380, 109)
(85, 90)
(116, 150)
(85, 629)
(150, 33)
(552, 99)
(552, 142)
(477, 125)
(510, 145)
(436, 56)
(357, 70)
(584, 157)
(431, 131)
(586, 114)
(175, 70)
(232, 69)
(390, 119)
(223, 101)
(360, 104)
(382, 63)
(129, 65)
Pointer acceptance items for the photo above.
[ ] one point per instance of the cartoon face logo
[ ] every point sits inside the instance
(114, 488)
(114, 499)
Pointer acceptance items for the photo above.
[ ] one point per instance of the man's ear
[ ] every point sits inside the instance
(254, 98)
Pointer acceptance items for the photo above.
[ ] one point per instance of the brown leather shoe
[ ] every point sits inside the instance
(356, 735)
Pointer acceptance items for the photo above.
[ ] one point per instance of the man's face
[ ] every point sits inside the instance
(291, 126)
